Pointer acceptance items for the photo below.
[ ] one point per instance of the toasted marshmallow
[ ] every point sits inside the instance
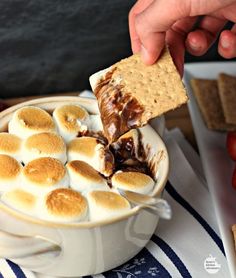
(21, 200)
(64, 205)
(29, 120)
(10, 172)
(45, 144)
(95, 123)
(70, 120)
(133, 134)
(91, 151)
(44, 174)
(11, 145)
(106, 204)
(84, 177)
(133, 181)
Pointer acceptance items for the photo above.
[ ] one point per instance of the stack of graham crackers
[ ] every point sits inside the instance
(217, 101)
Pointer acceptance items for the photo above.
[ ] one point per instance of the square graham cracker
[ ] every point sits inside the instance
(227, 92)
(131, 93)
(158, 87)
(207, 96)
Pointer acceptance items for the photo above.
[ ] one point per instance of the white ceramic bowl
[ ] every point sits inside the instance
(86, 248)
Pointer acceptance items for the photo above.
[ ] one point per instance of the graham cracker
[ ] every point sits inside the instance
(207, 96)
(131, 93)
(227, 92)
(158, 88)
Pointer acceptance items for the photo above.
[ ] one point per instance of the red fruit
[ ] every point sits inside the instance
(234, 178)
(231, 144)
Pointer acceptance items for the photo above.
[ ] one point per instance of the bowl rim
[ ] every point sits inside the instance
(43, 100)
(85, 224)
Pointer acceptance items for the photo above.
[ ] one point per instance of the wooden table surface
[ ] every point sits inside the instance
(178, 118)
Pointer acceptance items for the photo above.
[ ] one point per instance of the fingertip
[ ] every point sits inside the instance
(196, 43)
(227, 44)
(151, 47)
(148, 57)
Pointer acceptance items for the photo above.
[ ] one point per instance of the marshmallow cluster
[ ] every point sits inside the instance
(57, 168)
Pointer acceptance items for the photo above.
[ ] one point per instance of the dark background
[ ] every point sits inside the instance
(51, 46)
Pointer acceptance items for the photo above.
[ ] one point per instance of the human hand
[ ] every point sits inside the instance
(153, 23)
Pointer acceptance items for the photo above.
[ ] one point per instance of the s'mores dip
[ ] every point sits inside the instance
(59, 166)
(68, 165)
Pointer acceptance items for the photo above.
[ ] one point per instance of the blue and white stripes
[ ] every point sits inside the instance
(10, 270)
(174, 194)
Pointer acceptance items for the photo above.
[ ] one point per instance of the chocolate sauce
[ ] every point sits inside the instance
(96, 134)
(129, 157)
(123, 150)
(120, 111)
(109, 161)
(123, 155)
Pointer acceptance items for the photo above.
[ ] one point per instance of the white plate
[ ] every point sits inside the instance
(216, 163)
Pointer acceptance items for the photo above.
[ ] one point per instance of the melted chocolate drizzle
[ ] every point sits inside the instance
(129, 157)
(120, 111)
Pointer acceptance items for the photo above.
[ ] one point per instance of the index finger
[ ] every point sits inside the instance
(140, 6)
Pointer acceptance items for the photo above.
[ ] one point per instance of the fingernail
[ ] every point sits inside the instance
(225, 43)
(195, 46)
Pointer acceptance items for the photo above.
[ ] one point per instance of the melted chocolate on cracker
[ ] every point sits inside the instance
(120, 111)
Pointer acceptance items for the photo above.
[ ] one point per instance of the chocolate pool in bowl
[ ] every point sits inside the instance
(89, 246)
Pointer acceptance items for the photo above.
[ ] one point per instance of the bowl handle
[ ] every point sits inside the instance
(15, 246)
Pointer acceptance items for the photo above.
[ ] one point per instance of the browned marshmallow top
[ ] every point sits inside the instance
(20, 199)
(69, 114)
(45, 142)
(84, 169)
(44, 171)
(9, 167)
(66, 202)
(131, 179)
(9, 143)
(35, 118)
(109, 200)
(84, 145)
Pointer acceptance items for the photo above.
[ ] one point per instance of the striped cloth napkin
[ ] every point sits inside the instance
(185, 246)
